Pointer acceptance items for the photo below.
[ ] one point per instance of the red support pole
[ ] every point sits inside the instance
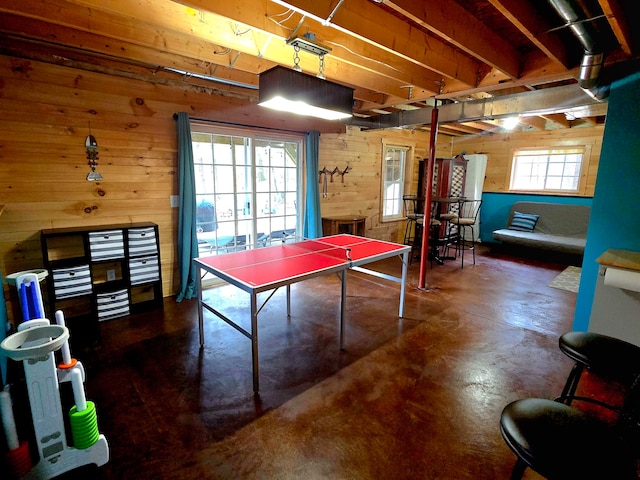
(428, 186)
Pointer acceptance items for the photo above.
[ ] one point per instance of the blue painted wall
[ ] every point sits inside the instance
(615, 211)
(496, 207)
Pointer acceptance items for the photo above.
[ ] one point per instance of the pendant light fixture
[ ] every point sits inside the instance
(296, 92)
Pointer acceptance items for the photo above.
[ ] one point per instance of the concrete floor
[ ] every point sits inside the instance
(417, 397)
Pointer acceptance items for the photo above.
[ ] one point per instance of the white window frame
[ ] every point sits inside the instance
(393, 186)
(256, 216)
(548, 170)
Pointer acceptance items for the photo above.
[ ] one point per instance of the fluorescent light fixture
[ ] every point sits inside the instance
(295, 92)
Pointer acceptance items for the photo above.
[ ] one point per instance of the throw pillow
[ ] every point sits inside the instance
(523, 221)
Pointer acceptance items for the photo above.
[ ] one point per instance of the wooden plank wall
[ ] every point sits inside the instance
(360, 193)
(499, 148)
(46, 112)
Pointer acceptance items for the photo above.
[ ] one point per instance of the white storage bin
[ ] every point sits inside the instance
(144, 269)
(112, 304)
(142, 241)
(72, 281)
(106, 245)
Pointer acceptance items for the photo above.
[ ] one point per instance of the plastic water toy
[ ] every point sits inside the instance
(34, 344)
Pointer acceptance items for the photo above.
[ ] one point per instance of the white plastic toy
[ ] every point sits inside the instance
(34, 344)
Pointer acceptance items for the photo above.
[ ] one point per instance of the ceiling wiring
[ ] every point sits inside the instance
(290, 12)
(363, 56)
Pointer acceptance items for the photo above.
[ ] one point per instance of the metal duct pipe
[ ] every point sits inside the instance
(590, 70)
(582, 31)
(593, 59)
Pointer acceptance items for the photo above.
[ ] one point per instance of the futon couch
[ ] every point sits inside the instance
(546, 226)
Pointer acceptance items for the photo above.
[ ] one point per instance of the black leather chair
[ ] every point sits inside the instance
(608, 357)
(559, 441)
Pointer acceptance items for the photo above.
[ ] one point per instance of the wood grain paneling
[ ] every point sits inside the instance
(499, 148)
(47, 110)
(362, 151)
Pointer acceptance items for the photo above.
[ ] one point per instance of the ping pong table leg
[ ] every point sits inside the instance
(288, 301)
(254, 341)
(343, 299)
(200, 312)
(405, 261)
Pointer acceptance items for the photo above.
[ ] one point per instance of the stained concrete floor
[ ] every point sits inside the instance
(473, 340)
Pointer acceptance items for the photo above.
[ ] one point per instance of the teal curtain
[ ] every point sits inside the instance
(312, 227)
(187, 239)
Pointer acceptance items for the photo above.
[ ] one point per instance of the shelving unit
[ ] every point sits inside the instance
(102, 272)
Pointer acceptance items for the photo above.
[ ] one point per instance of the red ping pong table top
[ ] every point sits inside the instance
(264, 266)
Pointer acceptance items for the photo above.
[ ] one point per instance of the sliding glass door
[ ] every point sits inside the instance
(247, 191)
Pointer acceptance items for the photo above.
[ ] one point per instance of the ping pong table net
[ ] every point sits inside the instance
(322, 248)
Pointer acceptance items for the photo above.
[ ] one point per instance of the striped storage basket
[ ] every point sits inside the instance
(106, 245)
(144, 269)
(71, 282)
(112, 304)
(142, 241)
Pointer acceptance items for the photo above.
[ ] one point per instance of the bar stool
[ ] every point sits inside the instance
(447, 209)
(416, 244)
(468, 216)
(605, 356)
(558, 441)
(412, 205)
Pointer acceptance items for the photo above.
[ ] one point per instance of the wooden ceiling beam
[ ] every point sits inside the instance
(486, 127)
(536, 28)
(106, 50)
(363, 20)
(349, 62)
(539, 123)
(462, 128)
(446, 130)
(246, 31)
(181, 32)
(466, 32)
(65, 24)
(559, 119)
(615, 14)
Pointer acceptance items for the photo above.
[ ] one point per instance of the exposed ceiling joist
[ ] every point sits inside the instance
(400, 56)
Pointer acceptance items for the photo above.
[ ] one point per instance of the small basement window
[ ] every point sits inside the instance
(555, 170)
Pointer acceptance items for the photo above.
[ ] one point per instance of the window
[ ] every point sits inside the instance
(393, 172)
(550, 170)
(247, 191)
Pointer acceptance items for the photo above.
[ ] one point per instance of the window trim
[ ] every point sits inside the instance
(585, 150)
(406, 168)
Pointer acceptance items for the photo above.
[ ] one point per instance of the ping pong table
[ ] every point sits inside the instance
(269, 268)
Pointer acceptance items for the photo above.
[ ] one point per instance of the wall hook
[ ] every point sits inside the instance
(343, 173)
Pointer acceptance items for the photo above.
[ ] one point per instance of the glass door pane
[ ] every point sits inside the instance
(224, 191)
(242, 203)
(277, 178)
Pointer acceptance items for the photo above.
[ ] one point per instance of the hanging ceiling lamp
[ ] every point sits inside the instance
(296, 92)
